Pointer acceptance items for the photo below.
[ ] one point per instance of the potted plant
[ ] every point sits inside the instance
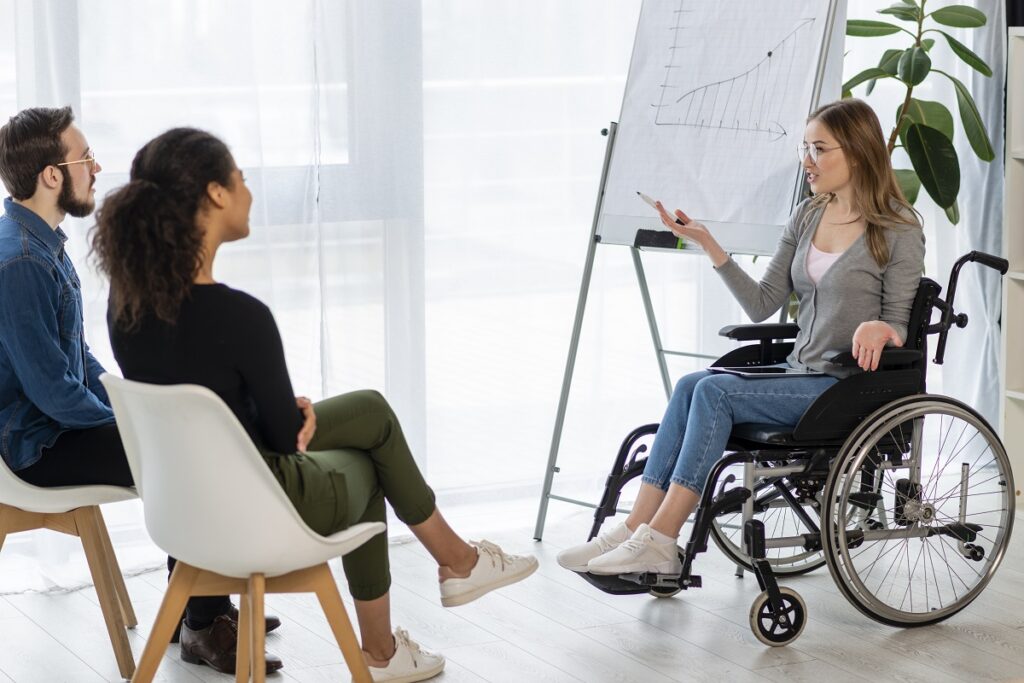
(924, 128)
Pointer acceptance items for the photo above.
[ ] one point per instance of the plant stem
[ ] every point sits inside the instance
(910, 88)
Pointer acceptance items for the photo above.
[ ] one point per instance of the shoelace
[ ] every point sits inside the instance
(604, 544)
(402, 638)
(497, 556)
(635, 545)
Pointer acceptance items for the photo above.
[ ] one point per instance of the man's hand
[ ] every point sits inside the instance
(308, 426)
(868, 341)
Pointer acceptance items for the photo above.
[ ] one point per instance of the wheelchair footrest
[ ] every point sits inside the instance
(634, 584)
(614, 585)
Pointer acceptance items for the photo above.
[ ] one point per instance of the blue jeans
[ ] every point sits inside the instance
(704, 407)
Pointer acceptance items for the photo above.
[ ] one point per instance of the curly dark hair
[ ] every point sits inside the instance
(146, 238)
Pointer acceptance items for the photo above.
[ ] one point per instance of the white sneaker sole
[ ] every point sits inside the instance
(579, 568)
(474, 593)
(666, 567)
(411, 678)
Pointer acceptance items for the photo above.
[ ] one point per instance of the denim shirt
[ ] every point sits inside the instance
(49, 381)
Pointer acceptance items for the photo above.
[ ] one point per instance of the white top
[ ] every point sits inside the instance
(818, 262)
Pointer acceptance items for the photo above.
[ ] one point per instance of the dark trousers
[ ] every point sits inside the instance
(81, 457)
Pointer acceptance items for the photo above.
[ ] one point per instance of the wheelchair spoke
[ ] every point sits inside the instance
(918, 470)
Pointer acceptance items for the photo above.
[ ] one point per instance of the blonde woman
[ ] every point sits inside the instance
(853, 253)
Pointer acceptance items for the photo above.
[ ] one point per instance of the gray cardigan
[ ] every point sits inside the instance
(853, 290)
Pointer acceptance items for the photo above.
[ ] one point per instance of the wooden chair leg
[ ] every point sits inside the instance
(183, 578)
(242, 656)
(95, 555)
(4, 517)
(334, 609)
(127, 611)
(258, 626)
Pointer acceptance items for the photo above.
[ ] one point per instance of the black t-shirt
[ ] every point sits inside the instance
(225, 340)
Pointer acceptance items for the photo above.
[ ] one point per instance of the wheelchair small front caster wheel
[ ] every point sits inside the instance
(974, 552)
(664, 592)
(777, 630)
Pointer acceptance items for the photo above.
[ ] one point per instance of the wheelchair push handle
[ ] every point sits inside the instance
(993, 262)
(949, 316)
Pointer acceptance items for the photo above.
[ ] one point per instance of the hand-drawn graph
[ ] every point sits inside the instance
(751, 101)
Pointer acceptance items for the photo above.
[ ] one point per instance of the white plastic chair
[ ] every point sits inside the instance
(74, 510)
(211, 502)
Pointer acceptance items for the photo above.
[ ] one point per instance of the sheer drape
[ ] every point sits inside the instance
(321, 104)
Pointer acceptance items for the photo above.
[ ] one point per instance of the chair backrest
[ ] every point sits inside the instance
(920, 318)
(209, 498)
(845, 404)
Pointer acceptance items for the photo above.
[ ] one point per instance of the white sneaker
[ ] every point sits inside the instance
(494, 569)
(409, 663)
(640, 553)
(575, 559)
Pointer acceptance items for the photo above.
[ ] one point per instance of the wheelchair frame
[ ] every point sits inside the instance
(772, 457)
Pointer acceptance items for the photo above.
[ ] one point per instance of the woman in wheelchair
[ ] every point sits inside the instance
(907, 497)
(853, 253)
(171, 323)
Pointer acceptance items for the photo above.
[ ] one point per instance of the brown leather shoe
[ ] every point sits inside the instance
(272, 623)
(216, 646)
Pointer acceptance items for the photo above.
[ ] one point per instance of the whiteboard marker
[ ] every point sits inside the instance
(654, 204)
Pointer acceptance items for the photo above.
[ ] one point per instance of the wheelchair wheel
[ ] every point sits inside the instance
(935, 481)
(779, 520)
(778, 630)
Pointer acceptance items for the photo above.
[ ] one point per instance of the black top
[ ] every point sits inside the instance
(225, 340)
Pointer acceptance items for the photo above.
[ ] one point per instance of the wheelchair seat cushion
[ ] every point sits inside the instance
(773, 435)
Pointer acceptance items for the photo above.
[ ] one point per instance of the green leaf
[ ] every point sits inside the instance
(927, 113)
(959, 16)
(865, 28)
(973, 60)
(927, 43)
(909, 2)
(973, 124)
(865, 75)
(888, 63)
(935, 161)
(914, 65)
(953, 213)
(902, 12)
(909, 183)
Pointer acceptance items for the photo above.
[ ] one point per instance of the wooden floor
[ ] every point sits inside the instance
(554, 627)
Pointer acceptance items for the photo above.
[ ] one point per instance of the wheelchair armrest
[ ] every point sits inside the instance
(765, 331)
(889, 357)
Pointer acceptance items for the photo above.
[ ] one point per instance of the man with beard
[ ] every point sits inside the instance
(56, 424)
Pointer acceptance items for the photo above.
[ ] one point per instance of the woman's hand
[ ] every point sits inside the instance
(868, 341)
(693, 230)
(308, 426)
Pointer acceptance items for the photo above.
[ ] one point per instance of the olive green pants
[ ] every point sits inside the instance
(357, 459)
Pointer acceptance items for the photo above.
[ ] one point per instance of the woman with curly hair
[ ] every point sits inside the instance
(171, 322)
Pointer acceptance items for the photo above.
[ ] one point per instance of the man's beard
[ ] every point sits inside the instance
(69, 204)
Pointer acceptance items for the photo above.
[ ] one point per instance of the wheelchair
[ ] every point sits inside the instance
(907, 497)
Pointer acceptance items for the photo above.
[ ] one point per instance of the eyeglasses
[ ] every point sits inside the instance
(91, 160)
(804, 150)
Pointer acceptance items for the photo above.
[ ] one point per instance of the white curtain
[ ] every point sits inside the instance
(321, 104)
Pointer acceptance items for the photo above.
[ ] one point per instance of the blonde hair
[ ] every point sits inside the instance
(876, 193)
